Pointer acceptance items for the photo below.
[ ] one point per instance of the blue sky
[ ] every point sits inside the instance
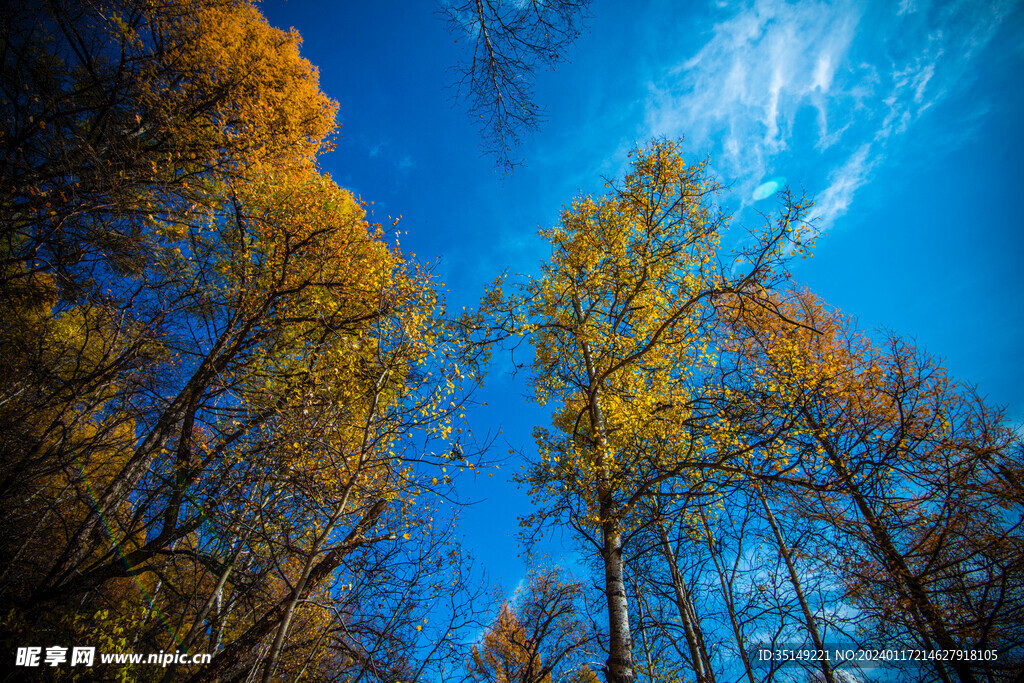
(903, 120)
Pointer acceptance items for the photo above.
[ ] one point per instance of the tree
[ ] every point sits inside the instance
(681, 594)
(849, 489)
(113, 118)
(510, 41)
(794, 578)
(217, 367)
(913, 473)
(618, 322)
(671, 628)
(537, 638)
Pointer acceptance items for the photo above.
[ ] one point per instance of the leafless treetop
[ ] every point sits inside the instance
(511, 40)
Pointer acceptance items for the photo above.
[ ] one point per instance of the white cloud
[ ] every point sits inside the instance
(742, 88)
(823, 71)
(907, 7)
(868, 71)
(835, 200)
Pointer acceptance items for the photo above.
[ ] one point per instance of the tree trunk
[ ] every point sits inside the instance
(812, 627)
(214, 599)
(620, 641)
(300, 591)
(687, 612)
(247, 642)
(894, 564)
(737, 631)
(643, 630)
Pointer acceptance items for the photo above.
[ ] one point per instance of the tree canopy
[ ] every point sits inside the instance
(230, 409)
(216, 367)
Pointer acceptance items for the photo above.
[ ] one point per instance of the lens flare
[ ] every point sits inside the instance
(768, 188)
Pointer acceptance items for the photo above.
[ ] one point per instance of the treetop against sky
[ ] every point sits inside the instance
(898, 119)
(687, 325)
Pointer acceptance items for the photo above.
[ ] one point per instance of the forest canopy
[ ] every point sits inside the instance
(231, 409)
(214, 366)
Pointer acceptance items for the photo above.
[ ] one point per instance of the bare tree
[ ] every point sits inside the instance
(510, 42)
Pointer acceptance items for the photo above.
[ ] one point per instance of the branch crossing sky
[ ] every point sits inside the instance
(903, 120)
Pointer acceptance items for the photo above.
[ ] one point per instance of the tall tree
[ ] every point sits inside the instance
(908, 466)
(617, 321)
(217, 367)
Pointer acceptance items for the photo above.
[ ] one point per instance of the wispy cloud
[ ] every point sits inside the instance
(740, 92)
(844, 181)
(864, 74)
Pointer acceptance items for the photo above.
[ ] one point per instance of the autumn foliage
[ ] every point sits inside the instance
(539, 636)
(228, 404)
(705, 414)
(214, 365)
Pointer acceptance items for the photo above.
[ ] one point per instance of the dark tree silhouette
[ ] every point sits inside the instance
(510, 42)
